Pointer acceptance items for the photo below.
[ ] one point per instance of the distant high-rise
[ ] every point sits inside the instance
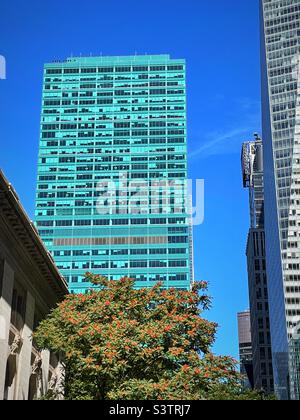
(280, 40)
(111, 195)
(245, 348)
(252, 168)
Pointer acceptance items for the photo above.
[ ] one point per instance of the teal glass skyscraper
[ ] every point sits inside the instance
(112, 172)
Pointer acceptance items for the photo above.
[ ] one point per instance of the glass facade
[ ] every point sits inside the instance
(280, 21)
(112, 173)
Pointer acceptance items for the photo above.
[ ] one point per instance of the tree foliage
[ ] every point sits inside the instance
(123, 343)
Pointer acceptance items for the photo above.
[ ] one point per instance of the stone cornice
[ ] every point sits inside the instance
(26, 233)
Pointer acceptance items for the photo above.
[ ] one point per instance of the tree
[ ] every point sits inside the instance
(122, 343)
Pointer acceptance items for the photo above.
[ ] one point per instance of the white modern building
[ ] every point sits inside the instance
(280, 47)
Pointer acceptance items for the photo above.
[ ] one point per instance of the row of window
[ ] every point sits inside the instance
(122, 167)
(109, 156)
(103, 222)
(111, 133)
(108, 79)
(79, 144)
(131, 176)
(109, 101)
(85, 87)
(88, 265)
(115, 112)
(107, 125)
(118, 69)
(136, 277)
(134, 91)
(119, 252)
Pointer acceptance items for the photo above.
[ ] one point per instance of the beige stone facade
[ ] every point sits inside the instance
(30, 286)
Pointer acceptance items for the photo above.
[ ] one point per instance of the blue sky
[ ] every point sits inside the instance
(219, 40)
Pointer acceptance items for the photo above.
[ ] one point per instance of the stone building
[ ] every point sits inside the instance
(30, 286)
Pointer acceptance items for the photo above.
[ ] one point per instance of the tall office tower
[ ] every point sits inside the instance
(252, 169)
(245, 348)
(280, 36)
(112, 172)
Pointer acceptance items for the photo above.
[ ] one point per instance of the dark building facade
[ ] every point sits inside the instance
(252, 167)
(245, 349)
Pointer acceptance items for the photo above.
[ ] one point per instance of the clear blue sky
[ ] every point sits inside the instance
(220, 41)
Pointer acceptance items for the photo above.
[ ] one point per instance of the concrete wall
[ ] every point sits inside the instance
(20, 364)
